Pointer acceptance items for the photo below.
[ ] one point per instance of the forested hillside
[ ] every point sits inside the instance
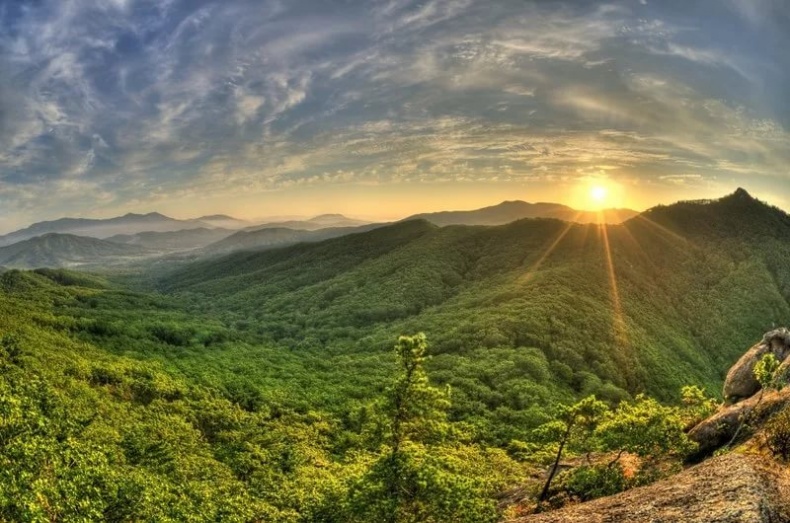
(262, 386)
(87, 435)
(647, 306)
(68, 250)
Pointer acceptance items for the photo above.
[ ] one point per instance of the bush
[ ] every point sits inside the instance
(777, 435)
(595, 481)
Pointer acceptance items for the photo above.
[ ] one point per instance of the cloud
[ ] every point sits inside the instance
(135, 100)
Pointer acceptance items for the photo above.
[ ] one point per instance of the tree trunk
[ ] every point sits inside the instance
(545, 492)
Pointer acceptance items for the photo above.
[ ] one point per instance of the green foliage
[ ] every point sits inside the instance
(765, 372)
(574, 422)
(260, 386)
(696, 405)
(415, 478)
(594, 481)
(645, 428)
(415, 411)
(89, 435)
(419, 484)
(776, 435)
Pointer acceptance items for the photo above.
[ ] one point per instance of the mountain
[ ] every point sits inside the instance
(223, 221)
(335, 220)
(510, 211)
(173, 241)
(322, 221)
(647, 297)
(103, 228)
(258, 385)
(66, 250)
(272, 237)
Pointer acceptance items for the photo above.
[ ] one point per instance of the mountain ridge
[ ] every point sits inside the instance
(130, 223)
(65, 250)
(511, 210)
(518, 279)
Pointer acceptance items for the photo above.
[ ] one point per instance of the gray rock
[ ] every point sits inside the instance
(740, 382)
(783, 373)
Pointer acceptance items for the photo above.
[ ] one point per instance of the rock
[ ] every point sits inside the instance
(735, 488)
(783, 373)
(742, 391)
(718, 430)
(740, 382)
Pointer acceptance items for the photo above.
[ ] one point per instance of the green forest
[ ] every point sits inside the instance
(411, 373)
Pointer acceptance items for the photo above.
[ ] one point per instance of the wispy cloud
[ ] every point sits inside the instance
(130, 101)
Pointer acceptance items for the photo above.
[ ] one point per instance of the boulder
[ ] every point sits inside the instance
(783, 373)
(740, 382)
(717, 430)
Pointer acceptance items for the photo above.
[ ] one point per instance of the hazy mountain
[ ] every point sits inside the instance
(271, 237)
(336, 220)
(510, 211)
(173, 241)
(322, 221)
(66, 250)
(103, 228)
(223, 221)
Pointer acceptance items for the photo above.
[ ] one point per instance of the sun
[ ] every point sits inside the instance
(598, 195)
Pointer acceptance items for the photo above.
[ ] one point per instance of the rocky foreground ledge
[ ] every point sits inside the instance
(742, 486)
(734, 488)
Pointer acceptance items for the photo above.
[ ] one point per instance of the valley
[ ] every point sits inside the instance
(276, 362)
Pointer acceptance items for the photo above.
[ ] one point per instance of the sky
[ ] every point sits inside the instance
(384, 108)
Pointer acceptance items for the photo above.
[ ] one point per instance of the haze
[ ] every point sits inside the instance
(380, 109)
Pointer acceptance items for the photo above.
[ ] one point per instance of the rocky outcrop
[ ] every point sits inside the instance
(746, 402)
(719, 429)
(740, 382)
(734, 488)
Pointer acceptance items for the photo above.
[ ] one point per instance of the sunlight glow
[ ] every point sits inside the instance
(546, 253)
(598, 193)
(620, 333)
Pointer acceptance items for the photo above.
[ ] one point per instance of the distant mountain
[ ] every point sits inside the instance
(336, 220)
(223, 221)
(173, 241)
(322, 221)
(511, 211)
(268, 238)
(103, 228)
(66, 250)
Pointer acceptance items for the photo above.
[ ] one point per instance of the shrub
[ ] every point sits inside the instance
(777, 435)
(595, 481)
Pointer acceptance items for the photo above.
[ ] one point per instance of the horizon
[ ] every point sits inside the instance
(297, 217)
(381, 110)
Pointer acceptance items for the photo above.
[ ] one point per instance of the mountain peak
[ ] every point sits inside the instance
(149, 216)
(512, 210)
(322, 217)
(742, 198)
(216, 217)
(741, 194)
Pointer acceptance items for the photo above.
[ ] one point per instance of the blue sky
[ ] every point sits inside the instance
(383, 108)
